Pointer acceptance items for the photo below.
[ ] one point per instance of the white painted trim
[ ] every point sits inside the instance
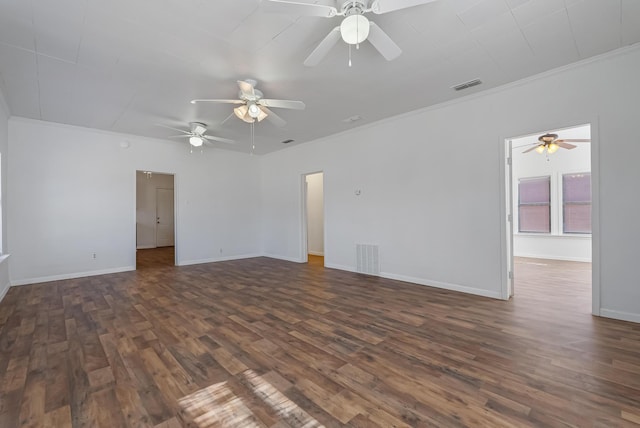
(545, 257)
(316, 253)
(285, 258)
(340, 267)
(71, 276)
(618, 315)
(444, 285)
(4, 289)
(145, 247)
(217, 259)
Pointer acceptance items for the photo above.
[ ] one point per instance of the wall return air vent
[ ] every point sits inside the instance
(469, 84)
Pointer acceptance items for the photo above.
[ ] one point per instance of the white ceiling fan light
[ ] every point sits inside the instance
(196, 135)
(196, 141)
(354, 29)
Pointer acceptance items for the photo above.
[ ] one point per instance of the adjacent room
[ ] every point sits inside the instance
(370, 213)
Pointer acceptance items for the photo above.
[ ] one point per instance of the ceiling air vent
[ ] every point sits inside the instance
(288, 141)
(469, 84)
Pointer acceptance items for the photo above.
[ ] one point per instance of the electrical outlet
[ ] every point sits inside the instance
(94, 255)
(220, 250)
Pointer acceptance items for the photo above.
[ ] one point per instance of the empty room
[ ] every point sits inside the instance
(319, 213)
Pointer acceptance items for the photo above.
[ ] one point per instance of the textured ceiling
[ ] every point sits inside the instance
(127, 65)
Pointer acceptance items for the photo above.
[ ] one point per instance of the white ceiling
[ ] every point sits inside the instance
(126, 65)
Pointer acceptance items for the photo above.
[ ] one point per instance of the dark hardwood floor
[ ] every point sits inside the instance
(269, 343)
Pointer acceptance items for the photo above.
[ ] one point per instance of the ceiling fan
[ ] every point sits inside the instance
(354, 29)
(550, 143)
(197, 134)
(253, 106)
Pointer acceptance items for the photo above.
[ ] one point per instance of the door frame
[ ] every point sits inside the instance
(506, 206)
(304, 244)
(175, 214)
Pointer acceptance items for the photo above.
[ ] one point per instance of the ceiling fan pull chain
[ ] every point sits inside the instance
(253, 137)
(349, 55)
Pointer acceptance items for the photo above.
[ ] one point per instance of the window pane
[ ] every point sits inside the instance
(576, 195)
(534, 190)
(534, 218)
(576, 187)
(577, 218)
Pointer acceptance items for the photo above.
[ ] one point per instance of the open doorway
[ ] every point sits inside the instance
(155, 220)
(313, 218)
(549, 214)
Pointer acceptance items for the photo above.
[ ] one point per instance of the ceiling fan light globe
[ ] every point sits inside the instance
(254, 110)
(196, 141)
(354, 29)
(553, 147)
(540, 149)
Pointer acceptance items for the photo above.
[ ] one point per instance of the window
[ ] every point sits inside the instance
(534, 205)
(576, 203)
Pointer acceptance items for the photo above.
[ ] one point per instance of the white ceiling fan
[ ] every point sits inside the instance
(197, 135)
(253, 106)
(355, 27)
(551, 143)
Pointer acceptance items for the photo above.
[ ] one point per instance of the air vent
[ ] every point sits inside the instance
(352, 119)
(469, 84)
(288, 141)
(367, 259)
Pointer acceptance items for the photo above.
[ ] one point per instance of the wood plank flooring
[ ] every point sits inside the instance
(269, 343)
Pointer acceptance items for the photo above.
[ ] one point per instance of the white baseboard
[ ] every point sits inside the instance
(340, 267)
(618, 315)
(316, 253)
(426, 282)
(217, 259)
(285, 258)
(38, 280)
(546, 257)
(145, 247)
(444, 285)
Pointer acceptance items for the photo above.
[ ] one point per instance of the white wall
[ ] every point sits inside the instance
(146, 187)
(555, 245)
(4, 154)
(73, 189)
(315, 215)
(431, 183)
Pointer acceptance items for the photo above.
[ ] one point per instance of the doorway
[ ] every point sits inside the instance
(313, 251)
(155, 219)
(549, 198)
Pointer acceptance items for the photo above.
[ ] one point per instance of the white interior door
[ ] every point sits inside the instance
(164, 218)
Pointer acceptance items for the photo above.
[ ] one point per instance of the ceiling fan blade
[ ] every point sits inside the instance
(384, 6)
(247, 89)
(296, 105)
(227, 118)
(383, 43)
(219, 139)
(323, 48)
(274, 118)
(180, 136)
(172, 128)
(574, 140)
(564, 145)
(299, 8)
(532, 148)
(218, 101)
